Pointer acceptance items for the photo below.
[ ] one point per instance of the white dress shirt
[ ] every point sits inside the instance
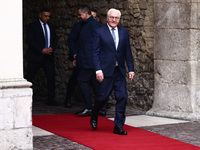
(48, 31)
(116, 34)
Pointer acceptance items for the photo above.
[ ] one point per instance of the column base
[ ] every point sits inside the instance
(172, 114)
(16, 114)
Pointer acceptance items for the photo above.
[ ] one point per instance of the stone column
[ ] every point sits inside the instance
(15, 92)
(177, 55)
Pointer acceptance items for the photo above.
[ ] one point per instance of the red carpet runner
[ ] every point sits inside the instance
(78, 129)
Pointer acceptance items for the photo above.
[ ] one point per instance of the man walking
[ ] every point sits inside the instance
(111, 48)
(84, 56)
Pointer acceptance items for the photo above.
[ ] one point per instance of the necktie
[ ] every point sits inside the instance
(114, 37)
(45, 35)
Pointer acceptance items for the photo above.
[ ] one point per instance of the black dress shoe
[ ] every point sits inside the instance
(119, 131)
(85, 112)
(93, 123)
(102, 113)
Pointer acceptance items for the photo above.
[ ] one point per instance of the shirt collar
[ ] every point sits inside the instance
(42, 22)
(111, 27)
(87, 20)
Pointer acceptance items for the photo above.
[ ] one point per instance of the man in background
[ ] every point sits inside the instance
(94, 13)
(73, 46)
(84, 56)
(42, 42)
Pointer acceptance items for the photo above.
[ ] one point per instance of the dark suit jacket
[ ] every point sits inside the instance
(105, 54)
(84, 55)
(73, 39)
(36, 42)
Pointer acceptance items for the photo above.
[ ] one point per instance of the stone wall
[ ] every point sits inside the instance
(15, 114)
(137, 17)
(177, 84)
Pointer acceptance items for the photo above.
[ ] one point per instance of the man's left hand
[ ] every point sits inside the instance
(131, 75)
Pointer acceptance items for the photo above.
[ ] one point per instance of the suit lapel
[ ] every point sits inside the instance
(120, 33)
(108, 34)
(40, 30)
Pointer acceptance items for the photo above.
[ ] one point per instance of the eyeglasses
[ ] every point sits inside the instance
(112, 18)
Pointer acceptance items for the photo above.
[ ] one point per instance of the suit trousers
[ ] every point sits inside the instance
(86, 79)
(116, 82)
(49, 69)
(72, 82)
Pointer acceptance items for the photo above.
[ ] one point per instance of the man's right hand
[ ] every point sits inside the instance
(47, 51)
(100, 77)
(74, 63)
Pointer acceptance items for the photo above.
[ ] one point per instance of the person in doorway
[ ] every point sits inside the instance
(111, 48)
(94, 13)
(42, 42)
(73, 46)
(84, 56)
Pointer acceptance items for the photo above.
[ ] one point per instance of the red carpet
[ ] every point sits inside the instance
(78, 129)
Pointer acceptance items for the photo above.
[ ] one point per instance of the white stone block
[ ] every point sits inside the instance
(18, 139)
(22, 112)
(1, 93)
(172, 14)
(6, 113)
(197, 102)
(172, 72)
(195, 15)
(195, 44)
(16, 92)
(173, 97)
(177, 72)
(15, 115)
(172, 44)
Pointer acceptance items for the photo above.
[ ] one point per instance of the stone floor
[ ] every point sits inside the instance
(182, 130)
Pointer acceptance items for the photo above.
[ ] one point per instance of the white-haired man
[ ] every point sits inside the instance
(111, 48)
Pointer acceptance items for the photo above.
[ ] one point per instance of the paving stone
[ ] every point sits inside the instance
(186, 132)
(55, 142)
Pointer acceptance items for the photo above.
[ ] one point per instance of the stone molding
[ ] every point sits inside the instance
(14, 83)
(174, 114)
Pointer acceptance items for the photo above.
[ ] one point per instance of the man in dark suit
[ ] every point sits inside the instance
(73, 46)
(111, 48)
(84, 56)
(42, 41)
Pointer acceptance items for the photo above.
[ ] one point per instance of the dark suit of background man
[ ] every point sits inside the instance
(40, 53)
(109, 55)
(84, 56)
(73, 46)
